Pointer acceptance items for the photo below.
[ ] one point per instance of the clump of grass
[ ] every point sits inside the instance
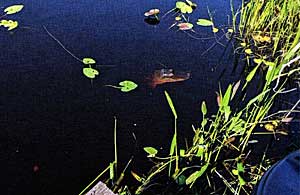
(268, 31)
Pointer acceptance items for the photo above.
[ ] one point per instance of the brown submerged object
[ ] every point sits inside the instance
(168, 76)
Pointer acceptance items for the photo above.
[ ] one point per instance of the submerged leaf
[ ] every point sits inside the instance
(204, 22)
(10, 24)
(13, 9)
(90, 72)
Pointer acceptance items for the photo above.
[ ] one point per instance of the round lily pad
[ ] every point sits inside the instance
(90, 72)
(127, 86)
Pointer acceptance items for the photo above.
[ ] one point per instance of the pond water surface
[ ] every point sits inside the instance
(56, 128)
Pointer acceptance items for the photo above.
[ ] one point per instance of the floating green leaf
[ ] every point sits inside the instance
(183, 7)
(127, 86)
(88, 61)
(13, 9)
(10, 24)
(151, 151)
(90, 72)
(204, 22)
(180, 4)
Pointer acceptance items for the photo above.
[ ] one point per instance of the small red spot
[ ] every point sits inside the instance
(35, 168)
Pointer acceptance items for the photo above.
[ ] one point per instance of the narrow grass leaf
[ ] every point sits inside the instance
(192, 178)
(173, 145)
(171, 104)
(226, 98)
(111, 170)
(251, 74)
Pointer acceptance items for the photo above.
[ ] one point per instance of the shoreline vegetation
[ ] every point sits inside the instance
(220, 157)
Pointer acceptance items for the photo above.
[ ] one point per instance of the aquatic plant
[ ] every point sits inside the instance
(10, 24)
(87, 71)
(268, 30)
(125, 86)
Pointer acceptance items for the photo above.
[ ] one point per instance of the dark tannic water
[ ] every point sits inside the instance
(56, 128)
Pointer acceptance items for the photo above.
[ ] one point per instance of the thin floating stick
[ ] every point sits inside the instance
(53, 37)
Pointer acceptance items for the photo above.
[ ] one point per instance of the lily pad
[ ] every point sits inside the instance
(204, 22)
(127, 86)
(10, 24)
(151, 12)
(13, 9)
(215, 30)
(183, 7)
(185, 26)
(88, 61)
(90, 72)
